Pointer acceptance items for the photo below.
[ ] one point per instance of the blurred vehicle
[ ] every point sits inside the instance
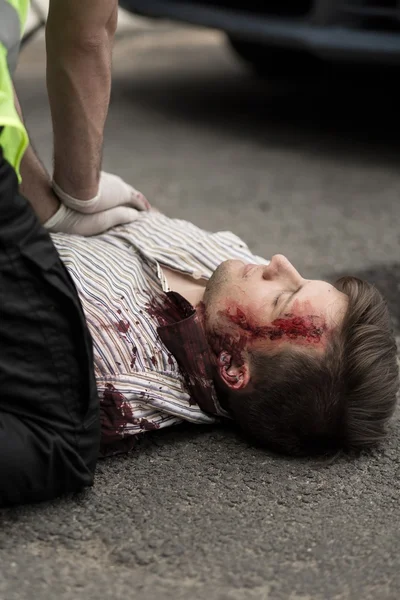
(272, 34)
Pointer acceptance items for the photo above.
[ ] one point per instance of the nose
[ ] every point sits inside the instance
(281, 268)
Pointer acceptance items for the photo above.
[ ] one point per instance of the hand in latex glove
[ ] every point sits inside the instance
(67, 220)
(113, 192)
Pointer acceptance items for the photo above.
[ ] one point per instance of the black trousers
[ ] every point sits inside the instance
(49, 410)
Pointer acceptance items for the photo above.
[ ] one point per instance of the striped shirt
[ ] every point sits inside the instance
(117, 274)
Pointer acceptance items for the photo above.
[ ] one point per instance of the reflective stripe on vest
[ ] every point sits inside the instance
(22, 8)
(13, 137)
(10, 33)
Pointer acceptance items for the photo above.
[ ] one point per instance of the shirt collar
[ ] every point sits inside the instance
(182, 332)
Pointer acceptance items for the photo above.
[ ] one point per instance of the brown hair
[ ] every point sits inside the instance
(301, 403)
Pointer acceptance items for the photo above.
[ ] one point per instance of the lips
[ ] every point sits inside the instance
(248, 269)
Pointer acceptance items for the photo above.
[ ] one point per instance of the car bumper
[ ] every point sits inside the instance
(321, 32)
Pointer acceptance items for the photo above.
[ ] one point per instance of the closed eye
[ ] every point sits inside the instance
(276, 300)
(290, 297)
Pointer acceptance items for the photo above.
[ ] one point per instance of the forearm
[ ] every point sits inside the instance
(79, 38)
(36, 185)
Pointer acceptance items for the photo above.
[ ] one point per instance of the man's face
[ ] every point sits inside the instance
(267, 307)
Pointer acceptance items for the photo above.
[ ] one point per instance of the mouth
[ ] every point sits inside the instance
(248, 269)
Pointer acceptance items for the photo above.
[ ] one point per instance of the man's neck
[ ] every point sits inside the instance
(188, 287)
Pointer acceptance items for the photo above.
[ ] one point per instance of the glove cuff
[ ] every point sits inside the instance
(57, 218)
(85, 206)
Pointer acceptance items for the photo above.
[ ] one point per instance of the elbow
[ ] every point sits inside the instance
(86, 35)
(93, 37)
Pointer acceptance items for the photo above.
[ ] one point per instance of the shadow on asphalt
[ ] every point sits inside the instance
(342, 112)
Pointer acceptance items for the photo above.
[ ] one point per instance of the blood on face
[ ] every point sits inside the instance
(298, 326)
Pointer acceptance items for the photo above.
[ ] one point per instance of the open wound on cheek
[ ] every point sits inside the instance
(296, 328)
(308, 329)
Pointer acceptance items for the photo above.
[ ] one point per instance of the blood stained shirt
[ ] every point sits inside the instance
(144, 381)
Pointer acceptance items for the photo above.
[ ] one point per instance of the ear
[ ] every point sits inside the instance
(235, 373)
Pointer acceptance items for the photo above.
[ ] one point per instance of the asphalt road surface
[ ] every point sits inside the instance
(305, 168)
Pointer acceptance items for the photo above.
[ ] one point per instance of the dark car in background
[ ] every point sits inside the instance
(270, 33)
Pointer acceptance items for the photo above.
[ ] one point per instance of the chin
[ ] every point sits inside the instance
(222, 275)
(216, 281)
(230, 267)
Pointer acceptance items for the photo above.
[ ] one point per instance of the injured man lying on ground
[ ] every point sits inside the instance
(189, 325)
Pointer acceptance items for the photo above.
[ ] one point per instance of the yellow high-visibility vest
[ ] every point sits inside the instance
(13, 136)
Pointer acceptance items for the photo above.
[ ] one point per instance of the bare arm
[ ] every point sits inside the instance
(36, 185)
(79, 39)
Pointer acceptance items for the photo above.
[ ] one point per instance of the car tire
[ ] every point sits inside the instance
(271, 61)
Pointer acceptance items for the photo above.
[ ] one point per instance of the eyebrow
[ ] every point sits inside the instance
(290, 298)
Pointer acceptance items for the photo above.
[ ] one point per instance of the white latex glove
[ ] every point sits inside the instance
(113, 192)
(67, 220)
